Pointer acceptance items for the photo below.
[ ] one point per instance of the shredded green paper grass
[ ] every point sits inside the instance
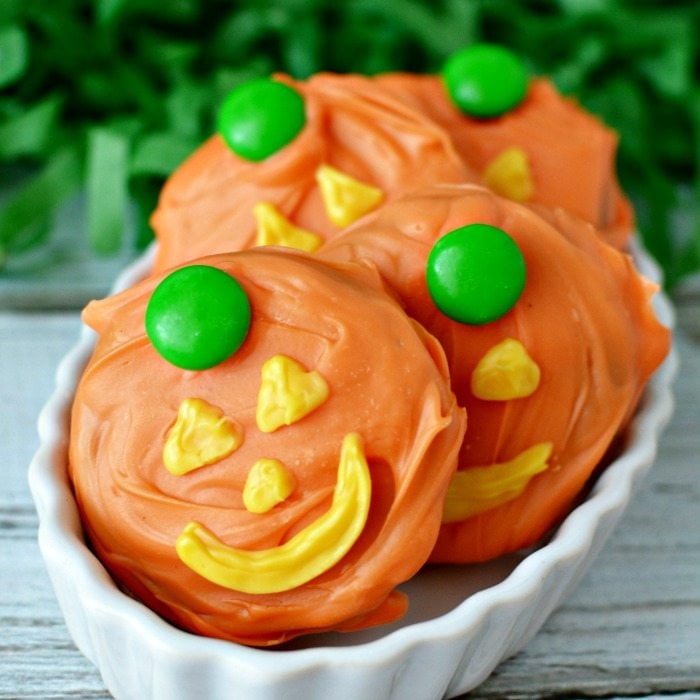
(108, 97)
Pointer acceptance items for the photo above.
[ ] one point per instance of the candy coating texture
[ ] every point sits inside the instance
(584, 318)
(485, 80)
(475, 274)
(197, 317)
(260, 117)
(207, 205)
(570, 152)
(397, 400)
(396, 132)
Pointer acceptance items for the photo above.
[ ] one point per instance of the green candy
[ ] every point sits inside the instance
(475, 274)
(260, 117)
(485, 80)
(197, 317)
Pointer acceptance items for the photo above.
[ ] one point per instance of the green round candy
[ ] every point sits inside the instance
(197, 317)
(475, 274)
(260, 117)
(485, 80)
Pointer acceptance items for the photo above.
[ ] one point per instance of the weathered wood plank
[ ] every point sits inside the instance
(37, 657)
(631, 629)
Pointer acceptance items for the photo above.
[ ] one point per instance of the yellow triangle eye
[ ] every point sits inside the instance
(275, 229)
(478, 489)
(509, 175)
(200, 436)
(345, 198)
(505, 372)
(287, 393)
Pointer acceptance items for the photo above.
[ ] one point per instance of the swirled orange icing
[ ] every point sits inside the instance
(393, 133)
(383, 145)
(570, 153)
(584, 315)
(329, 317)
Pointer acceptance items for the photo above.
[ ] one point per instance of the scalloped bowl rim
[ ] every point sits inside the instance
(67, 556)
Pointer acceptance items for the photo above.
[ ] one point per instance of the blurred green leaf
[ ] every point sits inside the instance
(129, 87)
(302, 48)
(108, 11)
(571, 75)
(10, 10)
(160, 154)
(106, 189)
(26, 217)
(145, 192)
(14, 53)
(31, 133)
(668, 63)
(237, 34)
(586, 7)
(184, 108)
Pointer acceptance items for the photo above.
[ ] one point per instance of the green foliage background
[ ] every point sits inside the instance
(108, 97)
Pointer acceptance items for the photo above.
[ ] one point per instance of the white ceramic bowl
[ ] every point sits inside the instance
(463, 621)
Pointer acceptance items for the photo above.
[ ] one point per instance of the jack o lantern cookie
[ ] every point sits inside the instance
(261, 445)
(550, 337)
(523, 138)
(294, 162)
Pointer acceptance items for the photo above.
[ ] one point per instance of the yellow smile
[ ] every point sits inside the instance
(313, 550)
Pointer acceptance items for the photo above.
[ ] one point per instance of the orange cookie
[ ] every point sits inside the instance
(555, 342)
(546, 150)
(284, 469)
(260, 181)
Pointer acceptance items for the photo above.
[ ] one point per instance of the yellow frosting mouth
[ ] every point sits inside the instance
(313, 550)
(478, 489)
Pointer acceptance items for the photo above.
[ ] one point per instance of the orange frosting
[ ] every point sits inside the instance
(207, 205)
(584, 319)
(387, 381)
(570, 152)
(394, 132)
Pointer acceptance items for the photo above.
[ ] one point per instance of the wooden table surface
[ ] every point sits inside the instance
(632, 627)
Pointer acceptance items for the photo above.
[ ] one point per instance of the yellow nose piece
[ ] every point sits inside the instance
(477, 489)
(269, 482)
(508, 174)
(275, 229)
(201, 435)
(505, 372)
(313, 550)
(345, 198)
(287, 393)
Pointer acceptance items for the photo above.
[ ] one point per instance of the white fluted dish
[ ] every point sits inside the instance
(463, 621)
